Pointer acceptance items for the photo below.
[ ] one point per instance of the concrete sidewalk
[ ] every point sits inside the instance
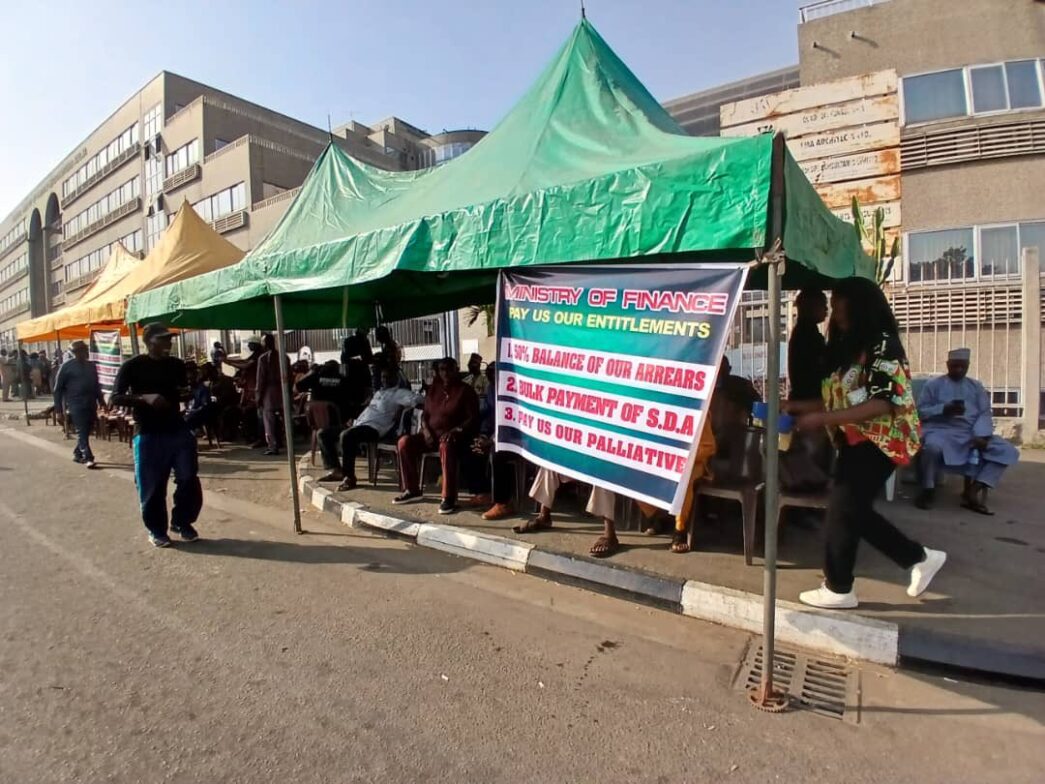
(985, 611)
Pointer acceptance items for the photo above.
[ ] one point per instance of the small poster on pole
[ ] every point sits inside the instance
(105, 353)
(604, 373)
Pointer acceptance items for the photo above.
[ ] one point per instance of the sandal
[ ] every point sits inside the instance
(680, 542)
(976, 506)
(348, 483)
(532, 526)
(604, 547)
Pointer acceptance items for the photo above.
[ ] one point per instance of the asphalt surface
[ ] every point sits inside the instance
(257, 656)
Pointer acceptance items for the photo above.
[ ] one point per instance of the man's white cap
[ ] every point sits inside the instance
(959, 355)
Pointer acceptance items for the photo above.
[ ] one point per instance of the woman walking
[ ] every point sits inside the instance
(869, 407)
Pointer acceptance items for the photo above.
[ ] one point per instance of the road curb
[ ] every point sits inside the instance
(855, 637)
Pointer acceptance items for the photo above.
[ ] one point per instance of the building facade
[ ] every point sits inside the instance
(972, 163)
(176, 140)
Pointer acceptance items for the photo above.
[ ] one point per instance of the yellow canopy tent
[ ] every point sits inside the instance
(189, 247)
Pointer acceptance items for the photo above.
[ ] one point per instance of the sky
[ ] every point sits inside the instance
(438, 64)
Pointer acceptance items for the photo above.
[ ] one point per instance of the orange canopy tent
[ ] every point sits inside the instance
(189, 247)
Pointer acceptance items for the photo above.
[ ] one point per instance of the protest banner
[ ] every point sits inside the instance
(604, 373)
(105, 353)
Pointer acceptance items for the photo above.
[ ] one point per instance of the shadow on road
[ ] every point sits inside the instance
(375, 559)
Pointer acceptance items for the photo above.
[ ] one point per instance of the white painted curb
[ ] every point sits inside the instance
(318, 495)
(837, 633)
(386, 523)
(494, 550)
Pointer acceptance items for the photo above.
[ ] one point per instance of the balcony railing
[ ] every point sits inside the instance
(82, 280)
(808, 13)
(281, 196)
(122, 211)
(101, 174)
(183, 177)
(6, 314)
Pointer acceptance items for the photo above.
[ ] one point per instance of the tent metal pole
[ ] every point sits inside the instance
(765, 698)
(772, 488)
(133, 330)
(23, 381)
(288, 423)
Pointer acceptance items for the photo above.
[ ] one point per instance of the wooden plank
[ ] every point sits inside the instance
(823, 118)
(799, 98)
(848, 140)
(869, 191)
(892, 213)
(852, 167)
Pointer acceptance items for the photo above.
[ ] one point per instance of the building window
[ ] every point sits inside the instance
(155, 225)
(100, 160)
(153, 177)
(183, 157)
(14, 268)
(14, 235)
(984, 252)
(153, 122)
(999, 251)
(14, 301)
(935, 96)
(978, 89)
(96, 258)
(1032, 235)
(111, 202)
(941, 255)
(222, 203)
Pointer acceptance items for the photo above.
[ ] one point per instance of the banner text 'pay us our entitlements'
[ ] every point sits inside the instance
(605, 373)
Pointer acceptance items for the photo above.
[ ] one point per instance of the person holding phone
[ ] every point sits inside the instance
(868, 407)
(958, 435)
(154, 385)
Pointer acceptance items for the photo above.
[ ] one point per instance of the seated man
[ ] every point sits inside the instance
(488, 462)
(200, 405)
(377, 421)
(958, 434)
(601, 503)
(325, 384)
(730, 412)
(475, 378)
(448, 423)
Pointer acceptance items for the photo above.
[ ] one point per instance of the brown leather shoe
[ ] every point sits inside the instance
(498, 512)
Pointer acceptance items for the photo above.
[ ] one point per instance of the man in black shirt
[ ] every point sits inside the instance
(806, 366)
(154, 384)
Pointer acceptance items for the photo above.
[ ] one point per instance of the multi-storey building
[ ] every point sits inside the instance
(971, 88)
(237, 163)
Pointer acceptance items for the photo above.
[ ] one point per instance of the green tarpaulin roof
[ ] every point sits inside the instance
(586, 167)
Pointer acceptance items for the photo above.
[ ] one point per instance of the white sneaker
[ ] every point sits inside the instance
(923, 573)
(826, 599)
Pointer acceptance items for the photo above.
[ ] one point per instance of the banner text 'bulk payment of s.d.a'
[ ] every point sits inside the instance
(604, 373)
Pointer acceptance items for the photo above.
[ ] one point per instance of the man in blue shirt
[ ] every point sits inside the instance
(78, 393)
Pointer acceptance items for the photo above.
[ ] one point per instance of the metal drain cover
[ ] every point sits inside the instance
(825, 686)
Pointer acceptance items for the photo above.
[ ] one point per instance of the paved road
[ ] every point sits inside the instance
(257, 656)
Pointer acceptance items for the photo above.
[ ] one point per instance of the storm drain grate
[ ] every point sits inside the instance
(825, 686)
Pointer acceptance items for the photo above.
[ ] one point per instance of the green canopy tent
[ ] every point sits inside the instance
(586, 167)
